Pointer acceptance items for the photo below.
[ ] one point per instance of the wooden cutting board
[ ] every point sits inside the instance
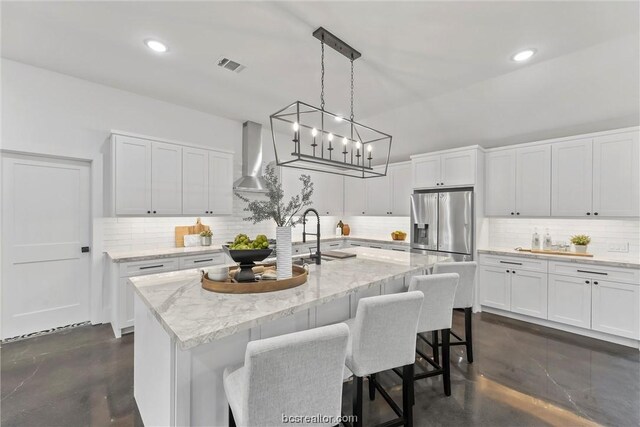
(540, 251)
(338, 254)
(183, 230)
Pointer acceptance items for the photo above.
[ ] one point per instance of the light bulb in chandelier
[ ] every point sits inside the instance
(345, 141)
(314, 132)
(369, 148)
(358, 145)
(296, 126)
(330, 137)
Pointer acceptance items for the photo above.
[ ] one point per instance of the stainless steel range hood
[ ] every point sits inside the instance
(251, 180)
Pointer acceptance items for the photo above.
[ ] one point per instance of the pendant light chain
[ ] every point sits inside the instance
(322, 76)
(352, 89)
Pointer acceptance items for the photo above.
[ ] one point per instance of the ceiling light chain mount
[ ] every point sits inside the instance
(311, 125)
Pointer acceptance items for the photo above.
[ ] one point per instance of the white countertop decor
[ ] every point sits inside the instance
(193, 316)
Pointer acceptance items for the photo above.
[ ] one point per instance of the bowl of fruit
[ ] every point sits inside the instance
(247, 252)
(398, 235)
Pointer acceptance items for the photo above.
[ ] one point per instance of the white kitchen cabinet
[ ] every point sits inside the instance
(378, 195)
(571, 178)
(195, 181)
(220, 183)
(529, 293)
(615, 308)
(132, 170)
(500, 183)
(355, 196)
(495, 289)
(400, 187)
(448, 169)
(166, 178)
(569, 300)
(327, 191)
(533, 181)
(616, 183)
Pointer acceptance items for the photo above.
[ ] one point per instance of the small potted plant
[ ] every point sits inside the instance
(205, 238)
(580, 241)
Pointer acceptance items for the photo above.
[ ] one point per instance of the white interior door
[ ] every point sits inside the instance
(46, 222)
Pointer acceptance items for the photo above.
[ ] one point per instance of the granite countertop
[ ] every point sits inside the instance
(193, 316)
(148, 254)
(625, 262)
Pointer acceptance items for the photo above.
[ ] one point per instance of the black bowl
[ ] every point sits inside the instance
(247, 259)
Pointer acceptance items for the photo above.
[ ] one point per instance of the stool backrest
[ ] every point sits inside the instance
(296, 374)
(437, 308)
(384, 332)
(466, 284)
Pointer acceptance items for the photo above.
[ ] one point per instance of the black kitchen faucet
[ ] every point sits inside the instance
(317, 255)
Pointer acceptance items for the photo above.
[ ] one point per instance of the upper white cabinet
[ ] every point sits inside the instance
(328, 191)
(571, 181)
(401, 190)
(616, 183)
(166, 178)
(380, 196)
(448, 169)
(132, 176)
(355, 196)
(518, 182)
(158, 178)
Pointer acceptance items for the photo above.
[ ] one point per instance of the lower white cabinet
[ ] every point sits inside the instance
(615, 308)
(529, 293)
(495, 287)
(570, 300)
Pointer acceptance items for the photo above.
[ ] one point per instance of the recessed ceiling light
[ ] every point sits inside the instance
(523, 55)
(156, 46)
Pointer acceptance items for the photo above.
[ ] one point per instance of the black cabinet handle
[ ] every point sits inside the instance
(517, 213)
(595, 213)
(510, 262)
(512, 213)
(396, 249)
(148, 211)
(513, 271)
(202, 260)
(593, 272)
(595, 283)
(586, 281)
(154, 211)
(588, 213)
(151, 266)
(508, 271)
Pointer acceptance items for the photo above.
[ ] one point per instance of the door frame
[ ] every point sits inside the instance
(96, 310)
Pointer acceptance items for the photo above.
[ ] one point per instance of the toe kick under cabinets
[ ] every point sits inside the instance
(600, 301)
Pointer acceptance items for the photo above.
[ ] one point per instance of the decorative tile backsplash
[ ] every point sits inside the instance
(513, 232)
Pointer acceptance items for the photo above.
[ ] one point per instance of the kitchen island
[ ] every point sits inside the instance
(187, 336)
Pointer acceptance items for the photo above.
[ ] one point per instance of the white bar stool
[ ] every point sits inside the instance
(298, 374)
(463, 301)
(383, 337)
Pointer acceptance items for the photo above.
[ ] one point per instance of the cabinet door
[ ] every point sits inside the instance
(166, 178)
(195, 181)
(320, 189)
(533, 181)
(400, 176)
(426, 172)
(355, 201)
(378, 197)
(500, 183)
(132, 176)
(571, 178)
(458, 168)
(529, 293)
(616, 184)
(126, 311)
(616, 308)
(220, 183)
(570, 300)
(333, 194)
(495, 287)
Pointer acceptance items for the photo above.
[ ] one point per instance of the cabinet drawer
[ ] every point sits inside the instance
(591, 271)
(203, 260)
(141, 268)
(521, 263)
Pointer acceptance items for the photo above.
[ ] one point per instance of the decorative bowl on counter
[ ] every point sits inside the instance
(247, 259)
(398, 235)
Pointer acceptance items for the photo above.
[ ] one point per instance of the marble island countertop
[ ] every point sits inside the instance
(622, 261)
(147, 254)
(193, 316)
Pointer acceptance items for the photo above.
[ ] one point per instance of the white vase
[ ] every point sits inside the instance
(283, 251)
(581, 249)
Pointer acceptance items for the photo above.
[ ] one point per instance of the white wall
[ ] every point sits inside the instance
(377, 227)
(514, 232)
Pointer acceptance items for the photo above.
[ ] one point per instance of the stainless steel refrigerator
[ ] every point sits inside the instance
(442, 221)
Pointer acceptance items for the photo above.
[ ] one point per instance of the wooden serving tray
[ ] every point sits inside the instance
(231, 287)
(539, 251)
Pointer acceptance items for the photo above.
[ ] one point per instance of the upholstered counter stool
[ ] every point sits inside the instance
(463, 301)
(383, 337)
(293, 375)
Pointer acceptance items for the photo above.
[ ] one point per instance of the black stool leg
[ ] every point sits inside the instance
(357, 401)
(468, 335)
(446, 363)
(232, 421)
(436, 350)
(372, 387)
(407, 395)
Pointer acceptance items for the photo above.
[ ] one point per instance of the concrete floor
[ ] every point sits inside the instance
(523, 375)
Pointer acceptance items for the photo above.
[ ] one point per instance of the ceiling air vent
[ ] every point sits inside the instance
(230, 65)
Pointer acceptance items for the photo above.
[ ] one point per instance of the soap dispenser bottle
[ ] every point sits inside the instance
(535, 240)
(546, 243)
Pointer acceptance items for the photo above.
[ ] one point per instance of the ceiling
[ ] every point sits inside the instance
(434, 74)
